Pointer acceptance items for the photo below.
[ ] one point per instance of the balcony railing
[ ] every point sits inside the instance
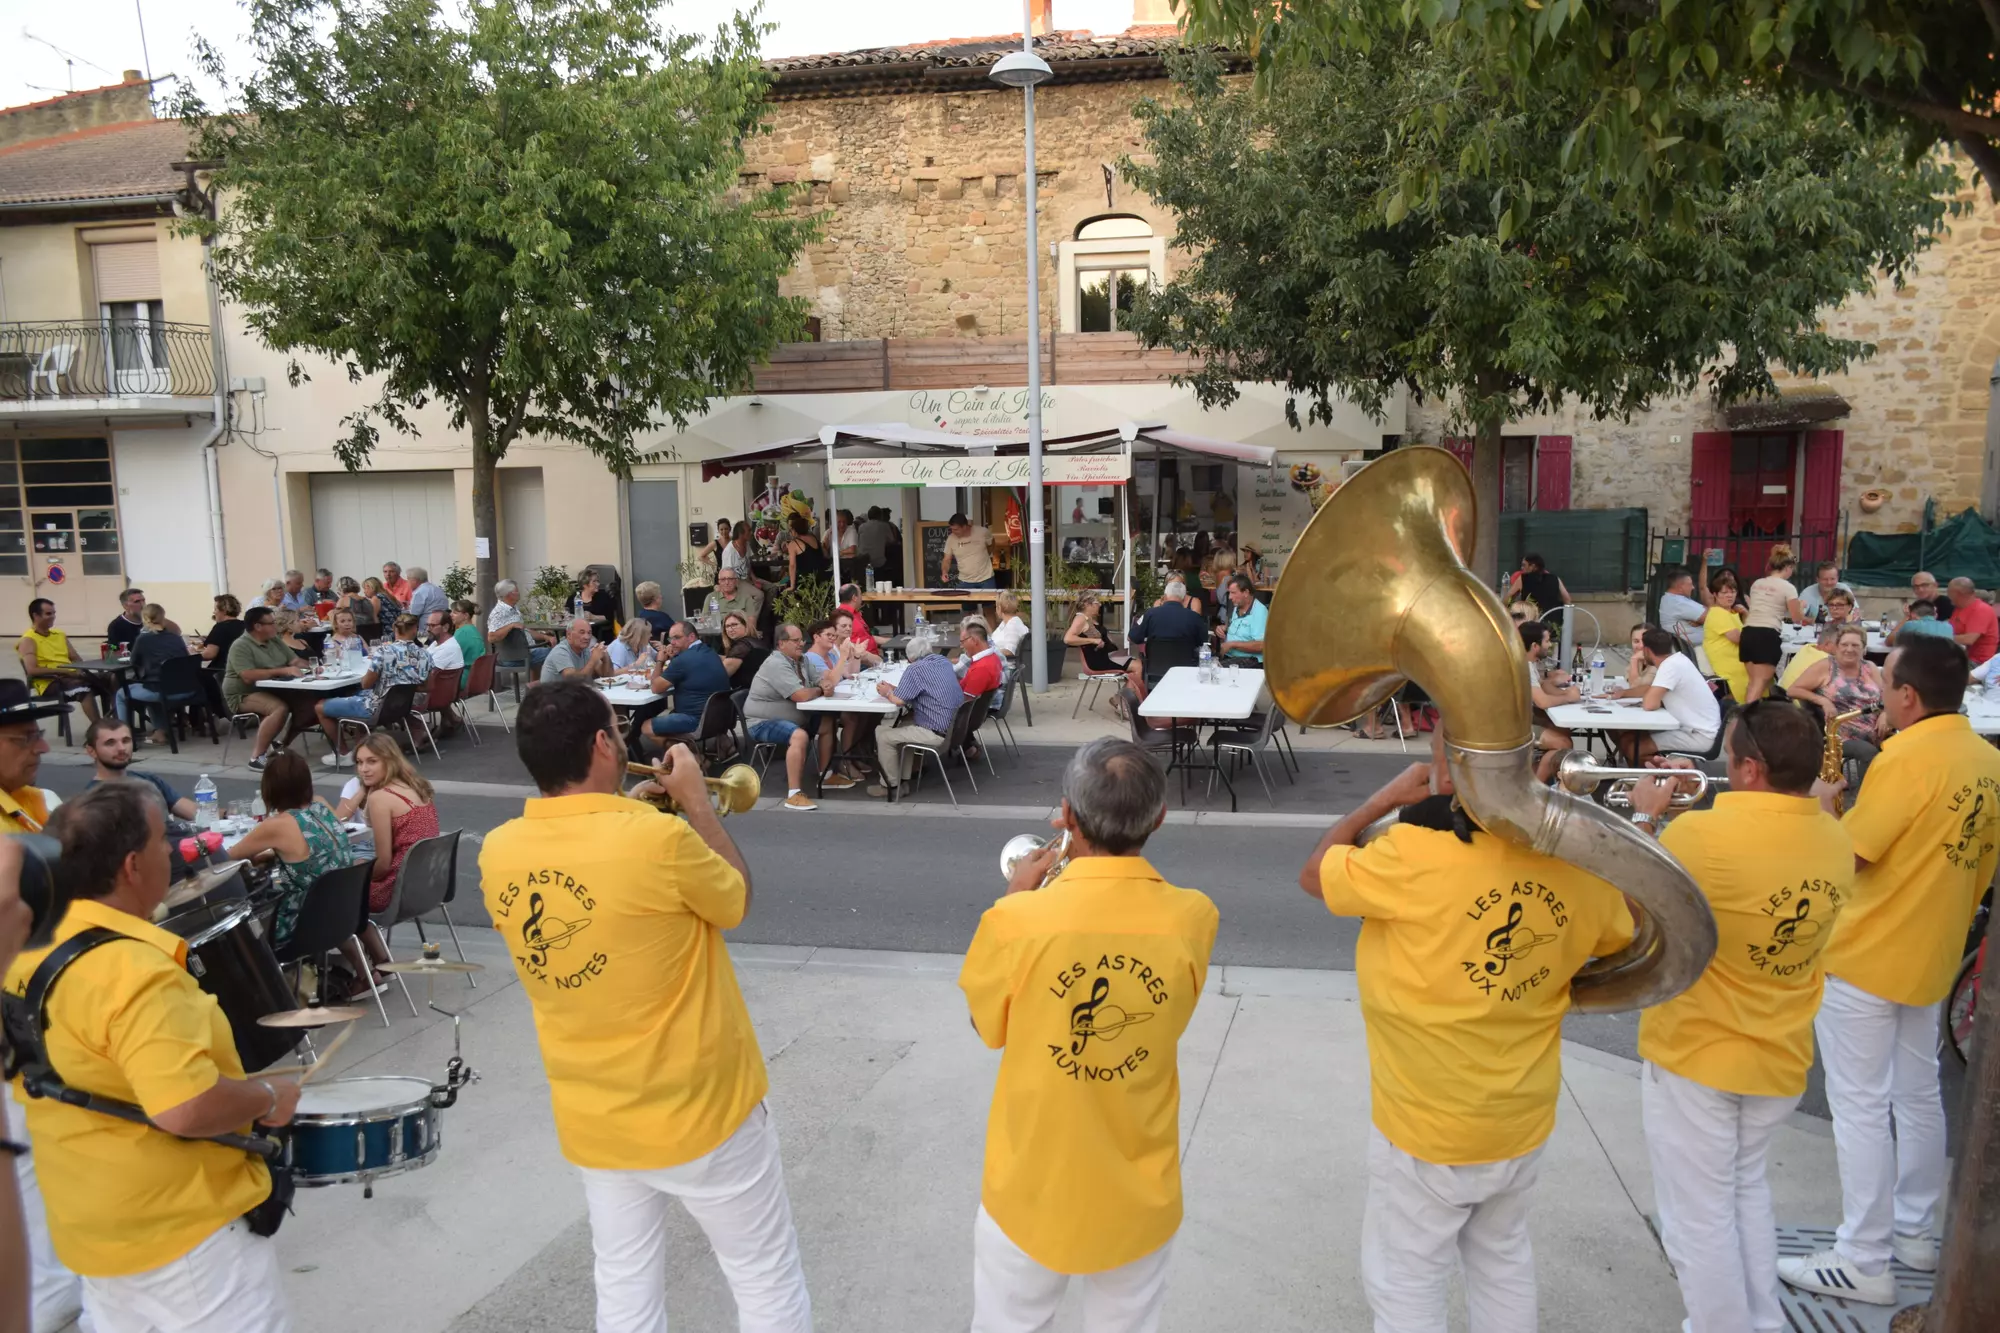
(56, 360)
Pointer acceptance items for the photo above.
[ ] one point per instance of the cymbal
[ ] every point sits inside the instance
(419, 966)
(313, 1016)
(200, 883)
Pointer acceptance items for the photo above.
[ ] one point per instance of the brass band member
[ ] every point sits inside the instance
(614, 913)
(1925, 846)
(1085, 987)
(152, 1222)
(1464, 964)
(1726, 1060)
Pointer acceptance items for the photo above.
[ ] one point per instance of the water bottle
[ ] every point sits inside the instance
(205, 803)
(1597, 672)
(1205, 666)
(920, 624)
(257, 810)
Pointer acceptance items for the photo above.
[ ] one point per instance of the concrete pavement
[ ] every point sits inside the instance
(880, 1090)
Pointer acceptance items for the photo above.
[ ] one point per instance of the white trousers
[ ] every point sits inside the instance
(736, 1194)
(229, 1283)
(1882, 1070)
(54, 1293)
(1012, 1293)
(1709, 1150)
(1423, 1220)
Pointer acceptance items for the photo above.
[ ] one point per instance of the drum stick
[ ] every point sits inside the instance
(340, 1038)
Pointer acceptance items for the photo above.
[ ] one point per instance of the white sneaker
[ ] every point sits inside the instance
(1830, 1275)
(338, 761)
(1918, 1252)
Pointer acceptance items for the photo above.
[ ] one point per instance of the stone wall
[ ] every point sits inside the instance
(113, 105)
(925, 233)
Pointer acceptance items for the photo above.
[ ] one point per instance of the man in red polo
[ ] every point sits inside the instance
(1974, 625)
(980, 658)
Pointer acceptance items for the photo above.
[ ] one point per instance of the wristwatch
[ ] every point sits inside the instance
(1645, 821)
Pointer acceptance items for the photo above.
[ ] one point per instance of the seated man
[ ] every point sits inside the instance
(46, 653)
(397, 660)
(1924, 621)
(787, 679)
(577, 657)
(1550, 739)
(108, 742)
(505, 618)
(929, 690)
(732, 594)
(1173, 621)
(256, 655)
(1243, 625)
(979, 666)
(1678, 688)
(692, 672)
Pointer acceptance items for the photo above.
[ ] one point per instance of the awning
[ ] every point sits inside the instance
(891, 439)
(1804, 405)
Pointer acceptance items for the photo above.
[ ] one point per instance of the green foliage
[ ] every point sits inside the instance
(811, 600)
(1065, 580)
(1147, 584)
(1507, 291)
(1638, 77)
(553, 581)
(457, 581)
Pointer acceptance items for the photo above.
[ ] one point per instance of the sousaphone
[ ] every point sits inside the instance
(1376, 593)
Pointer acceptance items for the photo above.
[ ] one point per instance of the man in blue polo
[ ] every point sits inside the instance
(691, 669)
(1243, 637)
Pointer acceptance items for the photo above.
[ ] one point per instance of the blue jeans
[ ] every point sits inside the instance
(675, 724)
(353, 707)
(773, 731)
(124, 699)
(989, 581)
(537, 656)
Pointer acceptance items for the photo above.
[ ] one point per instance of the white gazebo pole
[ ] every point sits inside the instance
(1125, 534)
(833, 522)
(1024, 69)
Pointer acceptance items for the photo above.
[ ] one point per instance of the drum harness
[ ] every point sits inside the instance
(26, 1054)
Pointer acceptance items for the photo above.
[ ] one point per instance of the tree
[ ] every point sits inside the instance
(1505, 294)
(529, 212)
(1627, 65)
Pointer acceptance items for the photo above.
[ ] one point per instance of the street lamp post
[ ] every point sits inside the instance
(1024, 69)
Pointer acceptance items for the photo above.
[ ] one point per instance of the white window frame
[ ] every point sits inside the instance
(1112, 252)
(151, 375)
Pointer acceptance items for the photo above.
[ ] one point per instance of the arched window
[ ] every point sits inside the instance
(1102, 269)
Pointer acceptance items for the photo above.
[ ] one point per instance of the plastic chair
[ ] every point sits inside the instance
(480, 681)
(441, 697)
(335, 912)
(511, 658)
(398, 707)
(718, 719)
(1163, 655)
(954, 743)
(53, 364)
(424, 883)
(1248, 743)
(180, 687)
(980, 713)
(1150, 739)
(1012, 684)
(1095, 681)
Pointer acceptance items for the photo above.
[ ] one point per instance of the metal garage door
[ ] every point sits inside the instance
(360, 520)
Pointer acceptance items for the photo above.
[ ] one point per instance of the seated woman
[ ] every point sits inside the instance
(1845, 681)
(742, 651)
(1012, 629)
(352, 600)
(1084, 633)
(396, 801)
(1721, 630)
(863, 648)
(155, 644)
(288, 633)
(301, 835)
(803, 555)
(343, 637)
(594, 602)
(633, 647)
(387, 608)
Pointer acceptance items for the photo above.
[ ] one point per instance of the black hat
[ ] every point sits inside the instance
(18, 704)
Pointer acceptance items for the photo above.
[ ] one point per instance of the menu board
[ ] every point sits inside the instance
(1277, 502)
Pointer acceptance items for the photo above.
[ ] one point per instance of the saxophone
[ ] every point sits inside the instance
(1833, 758)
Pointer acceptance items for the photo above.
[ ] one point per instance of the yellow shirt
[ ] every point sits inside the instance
(1803, 659)
(23, 811)
(614, 914)
(1464, 964)
(128, 1021)
(51, 650)
(1086, 986)
(1926, 822)
(1775, 870)
(1724, 659)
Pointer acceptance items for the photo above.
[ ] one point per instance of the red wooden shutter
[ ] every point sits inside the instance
(1552, 455)
(1819, 515)
(1708, 488)
(1460, 447)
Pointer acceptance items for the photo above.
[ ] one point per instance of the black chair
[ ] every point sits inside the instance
(399, 708)
(511, 658)
(954, 743)
(718, 720)
(181, 686)
(1015, 683)
(982, 710)
(335, 911)
(1150, 739)
(424, 884)
(1163, 655)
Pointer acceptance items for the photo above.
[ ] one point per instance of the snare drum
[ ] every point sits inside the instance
(231, 958)
(359, 1129)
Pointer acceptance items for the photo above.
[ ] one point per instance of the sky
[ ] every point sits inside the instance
(97, 39)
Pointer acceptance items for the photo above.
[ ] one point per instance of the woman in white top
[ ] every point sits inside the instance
(1773, 600)
(1012, 629)
(633, 645)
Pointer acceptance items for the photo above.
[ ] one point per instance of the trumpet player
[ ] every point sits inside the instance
(1726, 1059)
(1464, 963)
(1085, 985)
(1926, 835)
(614, 914)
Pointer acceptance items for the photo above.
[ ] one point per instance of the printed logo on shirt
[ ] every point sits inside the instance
(1499, 969)
(1098, 1024)
(1977, 804)
(1800, 918)
(544, 936)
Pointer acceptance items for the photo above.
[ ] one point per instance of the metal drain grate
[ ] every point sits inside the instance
(1808, 1312)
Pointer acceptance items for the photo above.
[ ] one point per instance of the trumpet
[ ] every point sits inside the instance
(1024, 845)
(734, 792)
(1582, 775)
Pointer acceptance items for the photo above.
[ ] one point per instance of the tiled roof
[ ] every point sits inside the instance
(128, 161)
(1071, 53)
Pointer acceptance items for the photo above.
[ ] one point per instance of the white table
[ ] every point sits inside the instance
(859, 695)
(623, 692)
(326, 684)
(1984, 712)
(1182, 696)
(1610, 715)
(1791, 638)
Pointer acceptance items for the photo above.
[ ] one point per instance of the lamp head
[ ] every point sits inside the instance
(1020, 69)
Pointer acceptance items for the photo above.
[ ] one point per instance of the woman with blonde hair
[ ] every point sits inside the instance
(155, 644)
(344, 634)
(1085, 634)
(632, 646)
(1772, 601)
(1012, 629)
(396, 802)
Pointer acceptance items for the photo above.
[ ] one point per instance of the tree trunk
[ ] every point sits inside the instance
(1486, 495)
(1966, 1299)
(485, 508)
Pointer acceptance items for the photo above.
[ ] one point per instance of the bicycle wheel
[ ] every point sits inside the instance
(1961, 1006)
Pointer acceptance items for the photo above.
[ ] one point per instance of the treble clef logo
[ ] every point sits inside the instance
(1969, 830)
(1083, 1017)
(1794, 929)
(531, 932)
(1511, 941)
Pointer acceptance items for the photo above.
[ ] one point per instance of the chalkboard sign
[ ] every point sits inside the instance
(932, 536)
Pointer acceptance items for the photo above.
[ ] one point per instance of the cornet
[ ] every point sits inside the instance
(1024, 845)
(1582, 775)
(734, 792)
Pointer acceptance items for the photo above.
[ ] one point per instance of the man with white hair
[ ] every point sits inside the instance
(505, 618)
(296, 596)
(1172, 621)
(929, 689)
(577, 657)
(425, 596)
